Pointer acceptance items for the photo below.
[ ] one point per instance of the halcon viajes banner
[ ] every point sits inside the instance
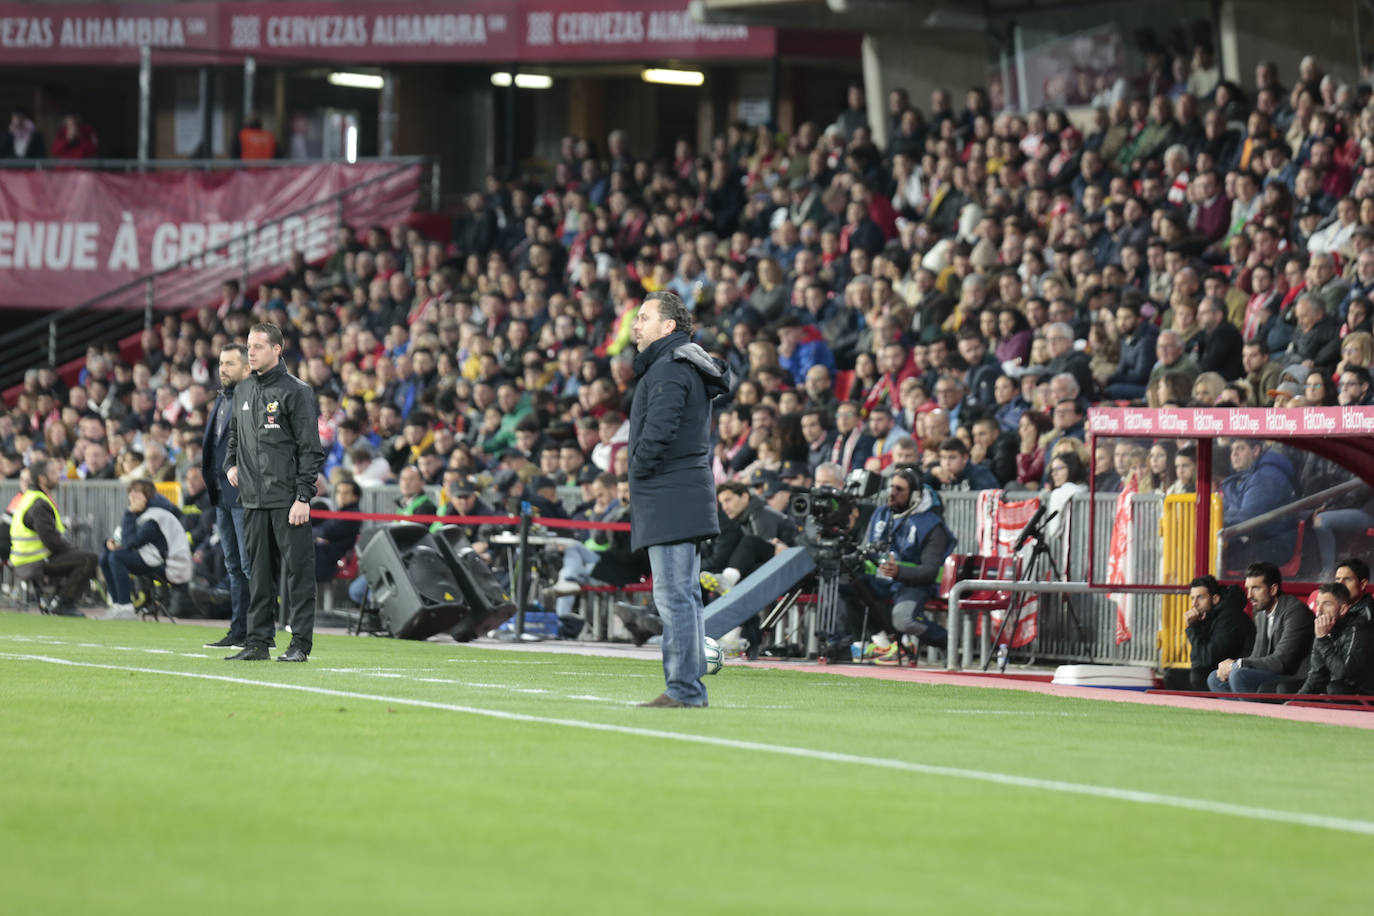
(386, 31)
(72, 235)
(1228, 422)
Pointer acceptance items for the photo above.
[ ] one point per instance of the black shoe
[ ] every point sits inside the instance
(294, 654)
(66, 609)
(227, 642)
(250, 654)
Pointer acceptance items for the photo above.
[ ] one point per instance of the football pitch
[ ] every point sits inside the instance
(141, 774)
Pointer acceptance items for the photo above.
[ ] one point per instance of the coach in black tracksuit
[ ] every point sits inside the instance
(274, 456)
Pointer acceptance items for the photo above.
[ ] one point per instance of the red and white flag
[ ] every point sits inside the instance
(1121, 556)
(999, 524)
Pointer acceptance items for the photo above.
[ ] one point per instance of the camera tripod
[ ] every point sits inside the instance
(831, 615)
(1039, 561)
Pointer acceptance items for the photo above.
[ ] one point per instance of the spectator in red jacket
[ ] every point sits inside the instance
(75, 140)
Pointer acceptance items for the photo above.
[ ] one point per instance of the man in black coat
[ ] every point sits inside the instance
(274, 457)
(994, 449)
(224, 496)
(1316, 342)
(672, 493)
(1217, 627)
(1218, 348)
(750, 532)
(1342, 660)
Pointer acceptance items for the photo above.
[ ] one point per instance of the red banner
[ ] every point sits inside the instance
(1250, 422)
(374, 32)
(69, 236)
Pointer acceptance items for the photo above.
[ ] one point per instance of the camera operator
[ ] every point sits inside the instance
(910, 536)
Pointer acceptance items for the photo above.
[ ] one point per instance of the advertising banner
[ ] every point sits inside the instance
(1253, 423)
(405, 31)
(71, 235)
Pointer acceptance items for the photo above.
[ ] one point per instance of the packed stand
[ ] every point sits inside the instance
(952, 303)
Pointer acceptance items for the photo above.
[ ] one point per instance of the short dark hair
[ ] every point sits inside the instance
(42, 467)
(1335, 589)
(672, 308)
(736, 487)
(954, 444)
(1266, 571)
(144, 486)
(912, 478)
(238, 348)
(271, 330)
(1208, 582)
(1359, 567)
(1360, 373)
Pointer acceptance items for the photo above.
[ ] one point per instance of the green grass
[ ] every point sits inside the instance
(127, 792)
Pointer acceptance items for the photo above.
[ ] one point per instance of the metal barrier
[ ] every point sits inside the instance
(1086, 635)
(960, 653)
(90, 509)
(1085, 631)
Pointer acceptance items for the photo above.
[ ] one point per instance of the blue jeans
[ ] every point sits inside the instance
(578, 563)
(677, 595)
(229, 521)
(357, 590)
(119, 567)
(1242, 680)
(1334, 525)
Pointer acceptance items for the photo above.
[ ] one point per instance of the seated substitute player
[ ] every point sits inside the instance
(1342, 660)
(1282, 642)
(1217, 627)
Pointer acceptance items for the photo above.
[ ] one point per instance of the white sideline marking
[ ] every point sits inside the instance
(618, 675)
(1251, 812)
(1004, 712)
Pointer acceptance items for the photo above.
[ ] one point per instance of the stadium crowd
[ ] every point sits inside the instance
(954, 301)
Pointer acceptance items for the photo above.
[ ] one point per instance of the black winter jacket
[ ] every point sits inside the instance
(1342, 661)
(672, 493)
(274, 440)
(1226, 632)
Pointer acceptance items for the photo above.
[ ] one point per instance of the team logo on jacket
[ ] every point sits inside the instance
(271, 421)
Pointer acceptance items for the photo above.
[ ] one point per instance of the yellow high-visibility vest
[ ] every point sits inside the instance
(25, 544)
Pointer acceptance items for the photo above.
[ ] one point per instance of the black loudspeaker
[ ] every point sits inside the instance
(488, 604)
(412, 582)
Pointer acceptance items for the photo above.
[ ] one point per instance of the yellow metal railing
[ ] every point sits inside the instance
(1178, 534)
(171, 490)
